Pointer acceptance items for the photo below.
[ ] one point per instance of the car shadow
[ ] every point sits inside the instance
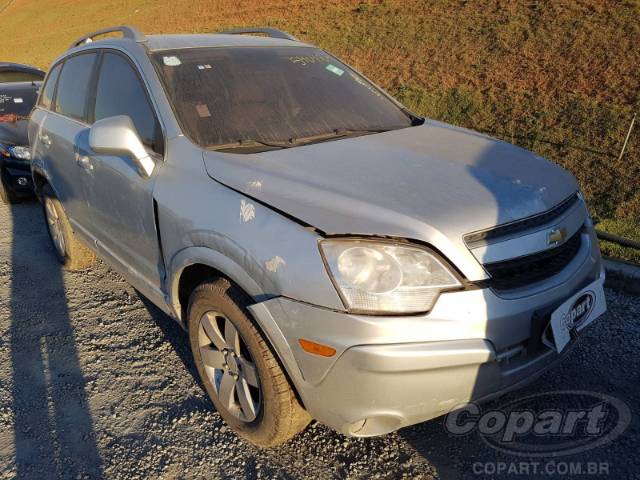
(175, 335)
(53, 425)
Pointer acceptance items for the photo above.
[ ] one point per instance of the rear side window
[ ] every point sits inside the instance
(74, 84)
(120, 92)
(46, 99)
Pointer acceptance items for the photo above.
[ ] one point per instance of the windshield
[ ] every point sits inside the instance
(18, 99)
(271, 96)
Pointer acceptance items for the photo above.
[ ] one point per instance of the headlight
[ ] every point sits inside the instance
(382, 277)
(20, 152)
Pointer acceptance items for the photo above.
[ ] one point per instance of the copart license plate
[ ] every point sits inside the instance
(577, 312)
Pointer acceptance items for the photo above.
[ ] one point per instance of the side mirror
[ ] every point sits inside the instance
(117, 136)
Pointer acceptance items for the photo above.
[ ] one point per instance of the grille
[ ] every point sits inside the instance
(481, 238)
(521, 271)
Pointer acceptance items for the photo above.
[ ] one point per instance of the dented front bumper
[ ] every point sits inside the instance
(390, 372)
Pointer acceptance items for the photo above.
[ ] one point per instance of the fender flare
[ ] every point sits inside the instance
(261, 314)
(211, 258)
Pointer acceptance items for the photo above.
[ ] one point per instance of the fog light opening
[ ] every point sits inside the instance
(23, 182)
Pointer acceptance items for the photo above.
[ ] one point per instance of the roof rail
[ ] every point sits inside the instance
(127, 32)
(269, 32)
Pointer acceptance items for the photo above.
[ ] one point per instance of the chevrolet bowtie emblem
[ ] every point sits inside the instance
(556, 236)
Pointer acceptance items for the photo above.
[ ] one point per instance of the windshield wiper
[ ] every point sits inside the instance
(298, 141)
(338, 133)
(251, 143)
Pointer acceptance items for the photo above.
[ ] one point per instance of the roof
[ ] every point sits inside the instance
(242, 37)
(167, 42)
(179, 41)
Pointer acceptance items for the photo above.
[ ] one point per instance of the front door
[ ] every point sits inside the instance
(120, 199)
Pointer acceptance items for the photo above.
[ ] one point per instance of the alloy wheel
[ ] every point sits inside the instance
(229, 366)
(55, 227)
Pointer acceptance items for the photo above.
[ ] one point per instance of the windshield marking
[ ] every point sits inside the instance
(203, 110)
(334, 69)
(171, 61)
(308, 59)
(359, 81)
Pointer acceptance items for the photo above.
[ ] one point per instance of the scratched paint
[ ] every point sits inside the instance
(275, 263)
(247, 211)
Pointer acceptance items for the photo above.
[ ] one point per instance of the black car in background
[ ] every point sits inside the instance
(19, 85)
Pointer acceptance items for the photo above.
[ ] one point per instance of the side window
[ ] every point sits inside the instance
(74, 84)
(120, 92)
(46, 99)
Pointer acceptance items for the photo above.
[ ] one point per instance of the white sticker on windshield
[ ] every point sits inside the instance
(334, 69)
(171, 61)
(203, 110)
(17, 100)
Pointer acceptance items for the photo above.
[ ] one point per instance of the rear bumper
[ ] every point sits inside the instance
(391, 372)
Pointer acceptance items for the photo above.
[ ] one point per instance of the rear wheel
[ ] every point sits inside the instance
(240, 373)
(72, 254)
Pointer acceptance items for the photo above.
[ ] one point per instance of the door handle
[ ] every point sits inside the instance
(84, 162)
(46, 141)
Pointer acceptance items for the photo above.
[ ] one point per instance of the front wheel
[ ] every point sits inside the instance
(238, 369)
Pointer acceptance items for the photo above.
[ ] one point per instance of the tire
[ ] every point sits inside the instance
(69, 251)
(278, 414)
(6, 194)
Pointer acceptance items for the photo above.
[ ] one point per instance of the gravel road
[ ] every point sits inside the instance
(96, 382)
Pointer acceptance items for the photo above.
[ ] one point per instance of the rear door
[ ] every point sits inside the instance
(64, 132)
(120, 198)
(38, 135)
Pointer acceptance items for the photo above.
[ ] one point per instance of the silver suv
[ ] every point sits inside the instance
(331, 255)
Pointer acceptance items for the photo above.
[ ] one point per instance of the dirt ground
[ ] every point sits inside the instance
(96, 382)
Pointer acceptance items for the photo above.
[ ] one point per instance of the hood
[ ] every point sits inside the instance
(14, 133)
(433, 182)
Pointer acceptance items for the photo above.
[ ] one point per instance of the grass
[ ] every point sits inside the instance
(558, 77)
(624, 229)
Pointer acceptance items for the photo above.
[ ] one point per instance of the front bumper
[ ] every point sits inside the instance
(391, 372)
